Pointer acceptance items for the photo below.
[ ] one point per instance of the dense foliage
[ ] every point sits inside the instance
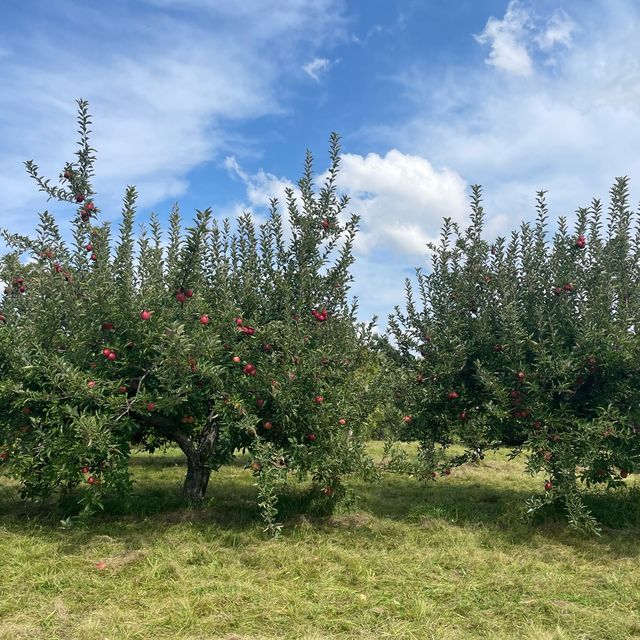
(530, 342)
(226, 337)
(215, 338)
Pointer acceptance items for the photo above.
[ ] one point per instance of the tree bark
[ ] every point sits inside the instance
(197, 453)
(196, 481)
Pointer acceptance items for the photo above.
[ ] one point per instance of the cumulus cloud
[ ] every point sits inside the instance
(401, 198)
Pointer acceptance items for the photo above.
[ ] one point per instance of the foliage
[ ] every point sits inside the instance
(215, 339)
(529, 342)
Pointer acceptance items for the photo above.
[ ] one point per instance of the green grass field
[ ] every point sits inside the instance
(446, 560)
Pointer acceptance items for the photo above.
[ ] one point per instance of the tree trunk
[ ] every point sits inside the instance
(198, 452)
(196, 481)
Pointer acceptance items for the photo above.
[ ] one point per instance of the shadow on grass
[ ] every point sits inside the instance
(231, 508)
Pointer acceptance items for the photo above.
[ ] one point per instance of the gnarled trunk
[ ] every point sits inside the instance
(197, 451)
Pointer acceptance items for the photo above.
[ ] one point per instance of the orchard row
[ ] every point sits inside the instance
(223, 339)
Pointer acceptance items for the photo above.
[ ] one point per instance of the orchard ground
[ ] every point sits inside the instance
(447, 559)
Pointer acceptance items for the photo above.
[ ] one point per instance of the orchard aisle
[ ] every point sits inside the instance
(446, 560)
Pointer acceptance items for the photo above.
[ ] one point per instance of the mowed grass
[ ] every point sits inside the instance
(450, 559)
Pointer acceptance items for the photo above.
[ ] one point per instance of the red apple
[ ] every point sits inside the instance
(239, 322)
(268, 425)
(89, 247)
(180, 297)
(189, 293)
(22, 289)
(204, 320)
(85, 469)
(325, 224)
(453, 395)
(91, 480)
(266, 347)
(318, 399)
(67, 175)
(112, 356)
(342, 422)
(91, 384)
(150, 406)
(568, 287)
(520, 375)
(581, 242)
(145, 315)
(463, 415)
(311, 437)
(548, 485)
(79, 197)
(236, 359)
(408, 419)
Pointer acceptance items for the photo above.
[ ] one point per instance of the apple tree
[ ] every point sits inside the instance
(531, 342)
(215, 338)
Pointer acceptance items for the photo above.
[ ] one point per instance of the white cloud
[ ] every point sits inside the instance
(521, 31)
(315, 67)
(166, 89)
(570, 131)
(559, 31)
(261, 187)
(508, 52)
(401, 199)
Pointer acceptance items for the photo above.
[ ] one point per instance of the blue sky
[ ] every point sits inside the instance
(214, 102)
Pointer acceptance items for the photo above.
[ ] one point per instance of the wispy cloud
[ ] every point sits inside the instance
(317, 66)
(508, 51)
(520, 30)
(167, 89)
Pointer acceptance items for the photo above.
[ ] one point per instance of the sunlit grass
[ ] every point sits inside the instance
(447, 559)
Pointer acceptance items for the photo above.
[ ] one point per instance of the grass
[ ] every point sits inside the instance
(447, 560)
